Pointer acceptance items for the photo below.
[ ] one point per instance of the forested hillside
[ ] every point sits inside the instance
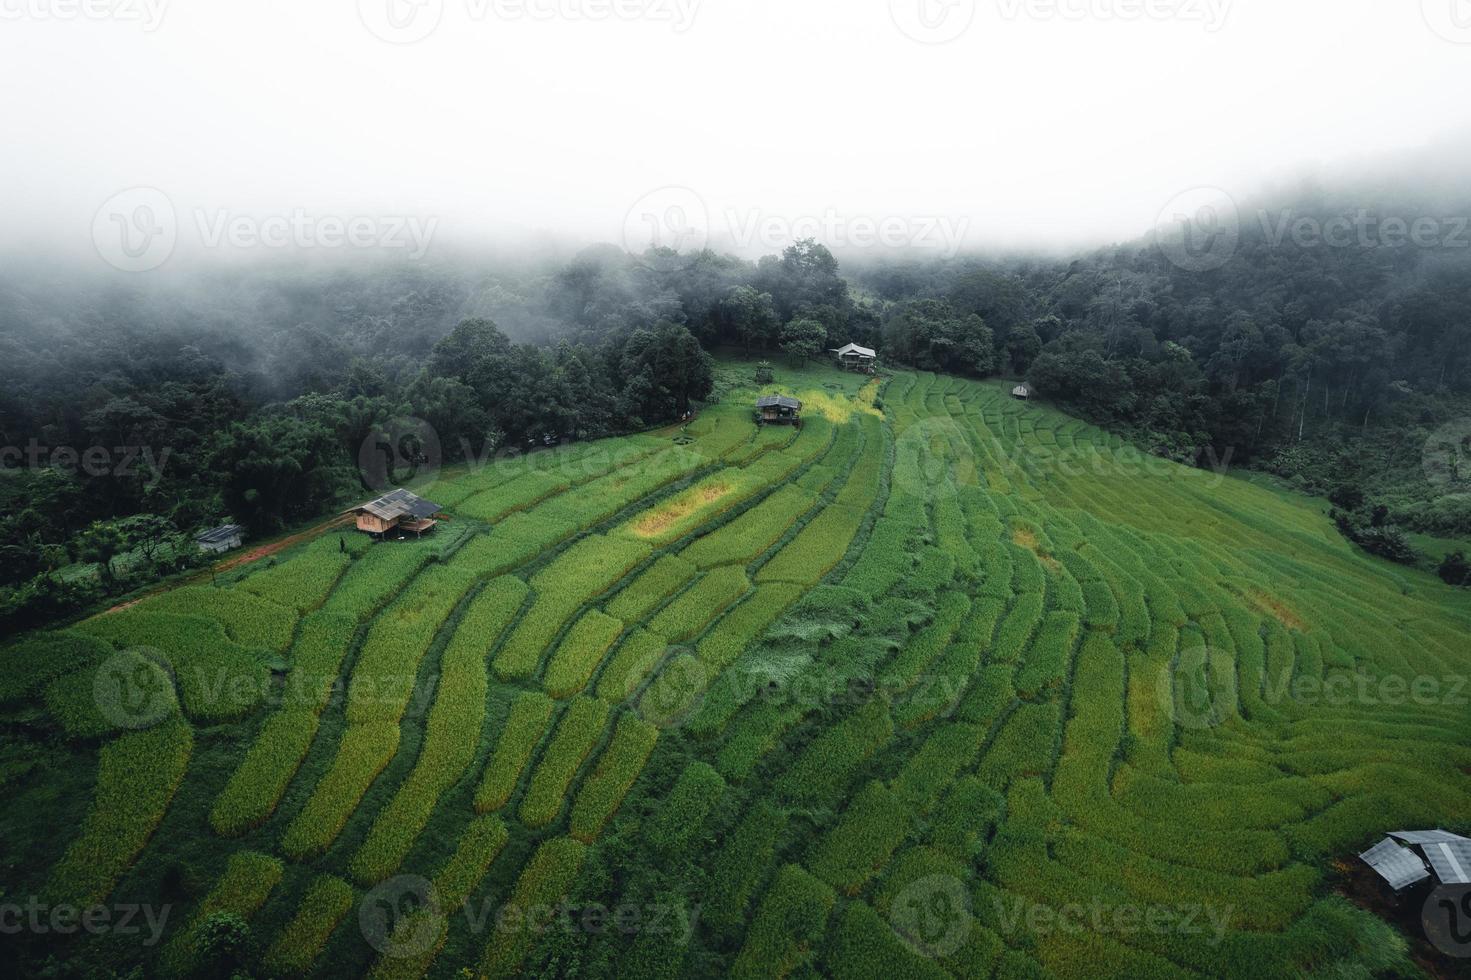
(247, 393)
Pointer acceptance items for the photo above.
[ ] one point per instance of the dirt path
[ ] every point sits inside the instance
(254, 554)
(266, 550)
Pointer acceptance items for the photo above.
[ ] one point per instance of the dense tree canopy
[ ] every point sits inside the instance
(247, 393)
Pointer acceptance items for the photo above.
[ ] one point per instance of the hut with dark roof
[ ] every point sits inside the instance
(399, 510)
(778, 409)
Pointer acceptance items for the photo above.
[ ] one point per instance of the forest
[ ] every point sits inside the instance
(135, 413)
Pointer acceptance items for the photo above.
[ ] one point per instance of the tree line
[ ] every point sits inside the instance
(1329, 367)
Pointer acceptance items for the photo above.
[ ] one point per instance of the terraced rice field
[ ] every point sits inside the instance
(939, 684)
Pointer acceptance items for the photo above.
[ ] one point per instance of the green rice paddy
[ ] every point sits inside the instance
(938, 684)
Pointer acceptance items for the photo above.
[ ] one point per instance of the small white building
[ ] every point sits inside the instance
(220, 539)
(856, 358)
(1022, 391)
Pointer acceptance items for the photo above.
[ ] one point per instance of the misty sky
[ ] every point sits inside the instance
(1059, 123)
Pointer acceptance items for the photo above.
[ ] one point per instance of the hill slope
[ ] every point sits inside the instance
(939, 682)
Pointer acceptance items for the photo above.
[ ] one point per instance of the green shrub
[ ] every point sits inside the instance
(580, 653)
(744, 860)
(545, 881)
(788, 926)
(861, 843)
(459, 708)
(585, 571)
(137, 776)
(681, 816)
(241, 890)
(616, 771)
(655, 584)
(363, 753)
(325, 904)
(688, 614)
(577, 734)
(525, 724)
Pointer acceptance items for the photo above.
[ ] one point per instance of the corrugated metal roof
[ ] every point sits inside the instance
(855, 349)
(1426, 836)
(1451, 861)
(217, 534)
(400, 503)
(777, 401)
(1399, 866)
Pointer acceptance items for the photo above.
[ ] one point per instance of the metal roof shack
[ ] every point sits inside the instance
(1445, 854)
(1399, 866)
(397, 510)
(1449, 854)
(222, 538)
(856, 358)
(778, 409)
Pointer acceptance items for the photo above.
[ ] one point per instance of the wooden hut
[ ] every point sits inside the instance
(399, 510)
(1022, 391)
(778, 410)
(856, 358)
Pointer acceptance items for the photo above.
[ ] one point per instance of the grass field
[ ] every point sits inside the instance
(940, 684)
